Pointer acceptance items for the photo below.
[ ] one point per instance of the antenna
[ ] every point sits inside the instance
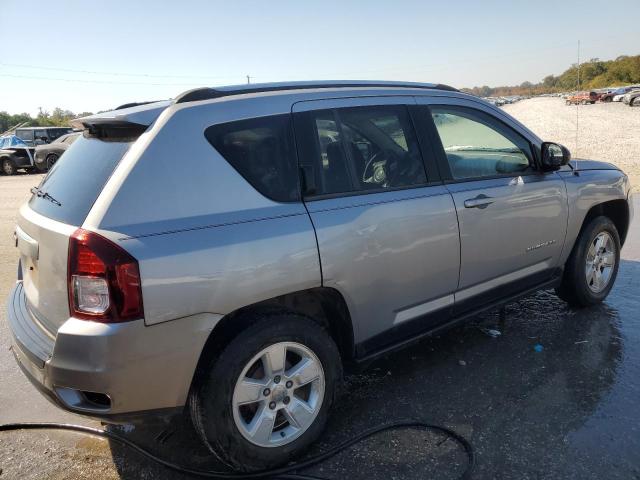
(577, 110)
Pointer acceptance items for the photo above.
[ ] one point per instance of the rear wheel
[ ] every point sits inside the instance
(608, 99)
(266, 396)
(635, 102)
(567, 102)
(593, 265)
(8, 167)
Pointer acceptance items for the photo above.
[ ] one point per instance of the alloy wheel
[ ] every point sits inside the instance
(600, 262)
(278, 394)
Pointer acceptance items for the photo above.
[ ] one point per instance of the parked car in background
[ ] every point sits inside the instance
(582, 98)
(306, 226)
(34, 136)
(47, 155)
(14, 155)
(608, 97)
(632, 98)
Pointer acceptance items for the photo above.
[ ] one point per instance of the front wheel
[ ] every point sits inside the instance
(593, 265)
(8, 167)
(51, 160)
(265, 398)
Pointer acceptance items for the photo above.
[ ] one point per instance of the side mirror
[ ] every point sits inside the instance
(554, 155)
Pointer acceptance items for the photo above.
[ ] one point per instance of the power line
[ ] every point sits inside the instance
(103, 82)
(118, 74)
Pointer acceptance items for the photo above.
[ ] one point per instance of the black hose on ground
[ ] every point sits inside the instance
(282, 473)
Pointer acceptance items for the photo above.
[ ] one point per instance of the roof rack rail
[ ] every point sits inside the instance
(135, 104)
(207, 93)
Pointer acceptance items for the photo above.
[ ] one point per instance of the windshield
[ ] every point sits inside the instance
(76, 180)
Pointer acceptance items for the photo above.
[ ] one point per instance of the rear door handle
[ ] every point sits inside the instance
(481, 201)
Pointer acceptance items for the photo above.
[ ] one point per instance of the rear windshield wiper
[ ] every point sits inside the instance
(41, 194)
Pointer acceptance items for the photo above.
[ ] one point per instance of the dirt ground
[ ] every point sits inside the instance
(605, 131)
(554, 396)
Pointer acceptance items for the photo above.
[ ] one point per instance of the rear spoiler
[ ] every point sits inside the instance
(136, 116)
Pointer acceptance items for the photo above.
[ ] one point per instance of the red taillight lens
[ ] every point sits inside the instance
(104, 280)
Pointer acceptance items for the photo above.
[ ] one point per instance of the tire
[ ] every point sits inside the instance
(608, 99)
(51, 159)
(584, 102)
(635, 102)
(578, 287)
(8, 167)
(224, 426)
(567, 102)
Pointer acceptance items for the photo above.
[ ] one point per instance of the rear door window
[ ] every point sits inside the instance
(262, 151)
(358, 149)
(76, 180)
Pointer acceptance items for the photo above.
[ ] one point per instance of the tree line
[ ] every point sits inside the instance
(57, 118)
(624, 70)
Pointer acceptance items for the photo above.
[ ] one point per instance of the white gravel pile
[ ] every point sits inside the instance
(606, 131)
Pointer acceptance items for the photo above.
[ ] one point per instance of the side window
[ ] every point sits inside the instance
(358, 149)
(477, 146)
(39, 135)
(25, 135)
(262, 151)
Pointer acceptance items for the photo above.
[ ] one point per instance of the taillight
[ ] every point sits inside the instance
(104, 280)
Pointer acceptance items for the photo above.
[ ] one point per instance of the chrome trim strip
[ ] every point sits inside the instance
(422, 309)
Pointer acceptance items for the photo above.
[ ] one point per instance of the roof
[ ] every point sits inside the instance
(145, 113)
(208, 93)
(11, 141)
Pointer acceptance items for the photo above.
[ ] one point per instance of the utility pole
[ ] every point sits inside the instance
(248, 79)
(578, 65)
(577, 106)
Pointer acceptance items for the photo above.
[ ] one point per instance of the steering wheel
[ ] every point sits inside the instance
(389, 169)
(366, 168)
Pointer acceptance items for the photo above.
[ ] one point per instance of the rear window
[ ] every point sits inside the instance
(76, 180)
(262, 151)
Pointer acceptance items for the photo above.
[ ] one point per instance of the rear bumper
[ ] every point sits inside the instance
(140, 369)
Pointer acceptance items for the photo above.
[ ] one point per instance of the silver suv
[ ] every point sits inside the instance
(228, 251)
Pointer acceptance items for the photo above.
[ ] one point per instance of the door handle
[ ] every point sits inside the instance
(481, 201)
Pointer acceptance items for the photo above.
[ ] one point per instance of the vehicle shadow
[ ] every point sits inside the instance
(517, 397)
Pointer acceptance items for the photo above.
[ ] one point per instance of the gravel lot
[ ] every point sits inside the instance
(606, 131)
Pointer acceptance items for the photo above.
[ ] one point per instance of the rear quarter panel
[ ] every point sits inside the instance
(221, 268)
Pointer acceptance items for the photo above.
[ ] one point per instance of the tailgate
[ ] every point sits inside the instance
(58, 206)
(43, 244)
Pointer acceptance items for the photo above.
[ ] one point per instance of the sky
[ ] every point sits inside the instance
(91, 56)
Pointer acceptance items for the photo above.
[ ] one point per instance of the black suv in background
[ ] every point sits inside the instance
(34, 136)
